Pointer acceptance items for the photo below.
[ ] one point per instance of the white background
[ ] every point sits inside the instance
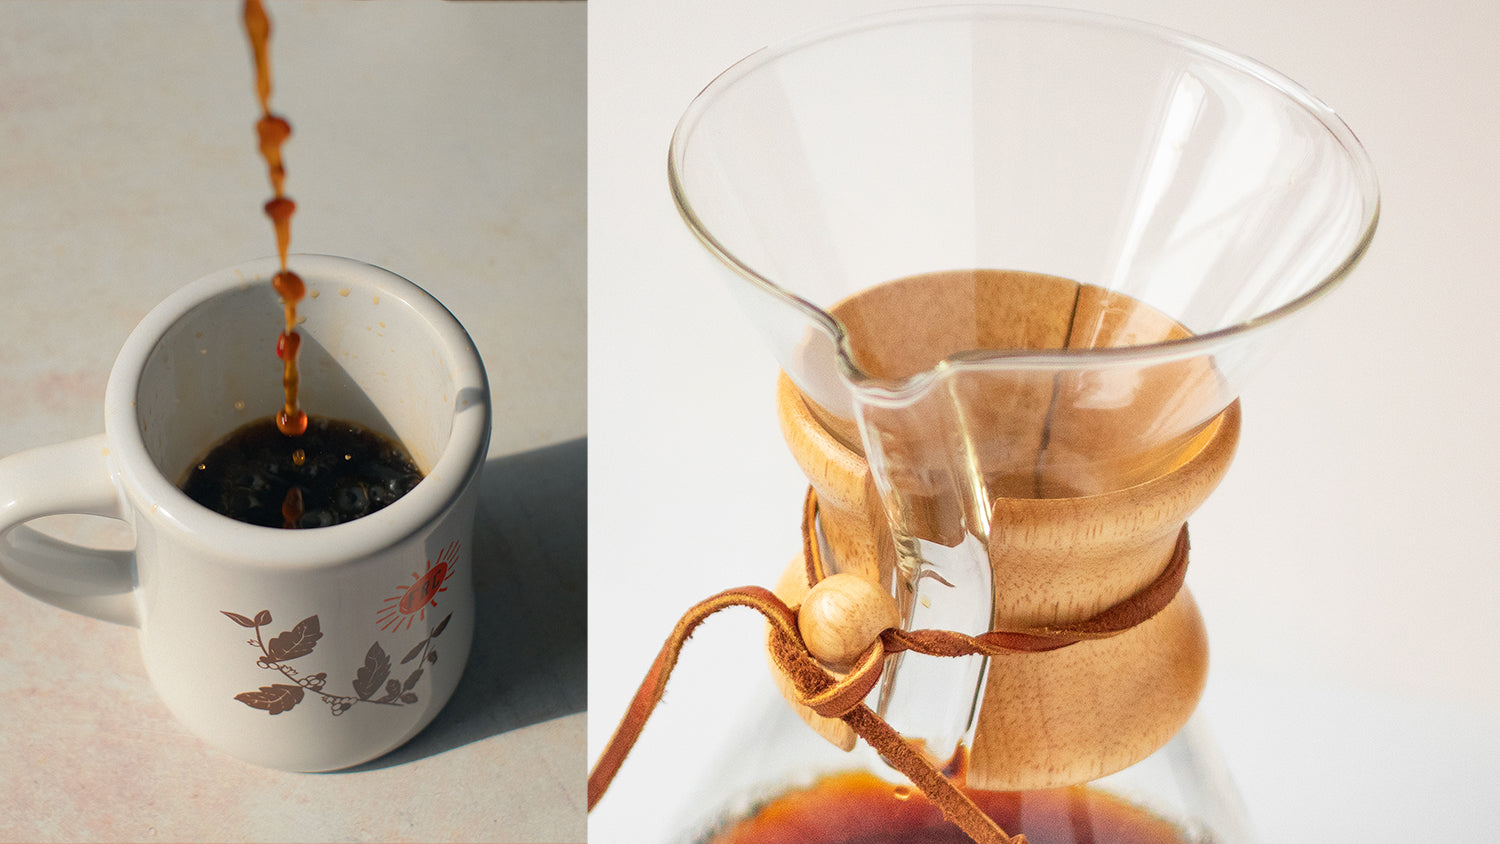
(1347, 566)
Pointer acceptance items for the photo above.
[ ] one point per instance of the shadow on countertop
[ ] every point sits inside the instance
(529, 660)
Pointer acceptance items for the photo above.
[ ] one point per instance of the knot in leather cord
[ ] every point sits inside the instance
(829, 696)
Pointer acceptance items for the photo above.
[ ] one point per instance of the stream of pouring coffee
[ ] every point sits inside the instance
(273, 130)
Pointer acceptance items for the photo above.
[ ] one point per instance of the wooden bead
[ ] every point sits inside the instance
(842, 617)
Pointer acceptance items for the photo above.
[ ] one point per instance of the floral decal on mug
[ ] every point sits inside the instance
(371, 679)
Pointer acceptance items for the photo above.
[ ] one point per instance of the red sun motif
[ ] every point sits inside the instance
(409, 604)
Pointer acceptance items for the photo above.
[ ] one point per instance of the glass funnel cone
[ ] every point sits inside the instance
(1007, 253)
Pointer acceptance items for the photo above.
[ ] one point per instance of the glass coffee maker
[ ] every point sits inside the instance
(1016, 265)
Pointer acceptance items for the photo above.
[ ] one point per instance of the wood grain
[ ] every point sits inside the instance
(1085, 479)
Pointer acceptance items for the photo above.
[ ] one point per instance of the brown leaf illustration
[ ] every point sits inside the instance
(392, 691)
(298, 641)
(409, 698)
(262, 618)
(412, 680)
(414, 652)
(392, 688)
(372, 674)
(238, 619)
(438, 631)
(274, 699)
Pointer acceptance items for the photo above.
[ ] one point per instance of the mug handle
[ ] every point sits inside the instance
(67, 478)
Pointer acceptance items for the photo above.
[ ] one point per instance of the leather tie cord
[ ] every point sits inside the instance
(843, 698)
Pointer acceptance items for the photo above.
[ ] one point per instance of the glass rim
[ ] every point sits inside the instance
(1160, 351)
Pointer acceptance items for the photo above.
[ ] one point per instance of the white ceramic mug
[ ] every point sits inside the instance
(307, 649)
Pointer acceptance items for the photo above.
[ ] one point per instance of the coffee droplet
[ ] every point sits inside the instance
(299, 457)
(273, 131)
(287, 343)
(287, 283)
(292, 424)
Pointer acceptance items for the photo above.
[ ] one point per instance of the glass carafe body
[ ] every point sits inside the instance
(1016, 265)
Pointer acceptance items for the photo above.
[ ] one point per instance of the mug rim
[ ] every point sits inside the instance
(160, 500)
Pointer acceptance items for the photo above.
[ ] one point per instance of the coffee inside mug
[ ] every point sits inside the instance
(367, 356)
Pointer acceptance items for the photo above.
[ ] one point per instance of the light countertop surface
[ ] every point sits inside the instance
(1347, 567)
(442, 141)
